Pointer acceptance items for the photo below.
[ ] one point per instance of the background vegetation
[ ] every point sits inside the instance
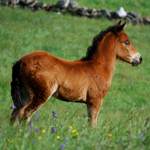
(124, 119)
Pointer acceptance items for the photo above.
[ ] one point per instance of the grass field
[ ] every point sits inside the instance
(124, 119)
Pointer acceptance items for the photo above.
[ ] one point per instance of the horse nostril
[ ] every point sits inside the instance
(140, 59)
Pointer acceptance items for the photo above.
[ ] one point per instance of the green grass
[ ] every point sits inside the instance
(125, 111)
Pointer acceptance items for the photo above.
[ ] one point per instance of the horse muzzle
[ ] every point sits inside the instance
(137, 59)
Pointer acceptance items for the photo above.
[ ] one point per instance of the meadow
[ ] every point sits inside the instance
(124, 118)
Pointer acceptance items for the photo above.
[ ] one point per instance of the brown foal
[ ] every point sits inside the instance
(39, 75)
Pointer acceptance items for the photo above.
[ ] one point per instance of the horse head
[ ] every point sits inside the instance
(124, 48)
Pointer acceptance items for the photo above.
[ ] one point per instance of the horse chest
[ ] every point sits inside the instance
(98, 87)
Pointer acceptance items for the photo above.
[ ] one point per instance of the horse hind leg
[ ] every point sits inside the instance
(25, 96)
(36, 102)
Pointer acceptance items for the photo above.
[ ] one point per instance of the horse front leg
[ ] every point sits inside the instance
(93, 107)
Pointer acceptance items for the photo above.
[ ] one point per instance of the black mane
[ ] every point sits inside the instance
(93, 48)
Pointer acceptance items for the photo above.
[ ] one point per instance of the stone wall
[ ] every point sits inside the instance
(73, 8)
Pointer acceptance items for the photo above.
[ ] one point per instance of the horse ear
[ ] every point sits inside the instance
(121, 28)
(124, 26)
(118, 24)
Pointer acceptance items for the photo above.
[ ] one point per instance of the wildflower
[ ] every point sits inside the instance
(77, 134)
(104, 127)
(121, 142)
(58, 137)
(36, 116)
(66, 140)
(5, 49)
(10, 141)
(62, 146)
(93, 144)
(142, 137)
(73, 131)
(99, 145)
(36, 129)
(39, 138)
(34, 141)
(54, 114)
(44, 131)
(62, 124)
(20, 130)
(53, 129)
(31, 124)
(13, 107)
(70, 127)
(109, 134)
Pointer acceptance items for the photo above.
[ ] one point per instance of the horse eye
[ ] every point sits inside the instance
(127, 42)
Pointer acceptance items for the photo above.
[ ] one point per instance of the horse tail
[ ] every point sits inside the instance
(15, 85)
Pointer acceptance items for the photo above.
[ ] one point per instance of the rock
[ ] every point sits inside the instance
(73, 5)
(146, 20)
(133, 17)
(99, 13)
(63, 4)
(92, 12)
(39, 6)
(51, 8)
(128, 19)
(83, 11)
(135, 21)
(105, 12)
(114, 15)
(28, 2)
(4, 2)
(14, 3)
(121, 12)
(134, 14)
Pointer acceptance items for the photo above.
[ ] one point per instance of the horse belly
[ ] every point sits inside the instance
(70, 94)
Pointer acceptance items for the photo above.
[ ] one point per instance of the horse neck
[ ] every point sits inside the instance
(105, 55)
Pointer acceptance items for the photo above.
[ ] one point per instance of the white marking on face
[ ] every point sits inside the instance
(136, 59)
(136, 56)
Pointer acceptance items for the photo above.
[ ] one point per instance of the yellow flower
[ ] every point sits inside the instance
(20, 130)
(109, 134)
(39, 138)
(73, 131)
(58, 137)
(77, 134)
(10, 141)
(74, 135)
(104, 127)
(93, 144)
(70, 127)
(44, 131)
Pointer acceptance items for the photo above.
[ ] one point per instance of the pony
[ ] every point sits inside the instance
(39, 75)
